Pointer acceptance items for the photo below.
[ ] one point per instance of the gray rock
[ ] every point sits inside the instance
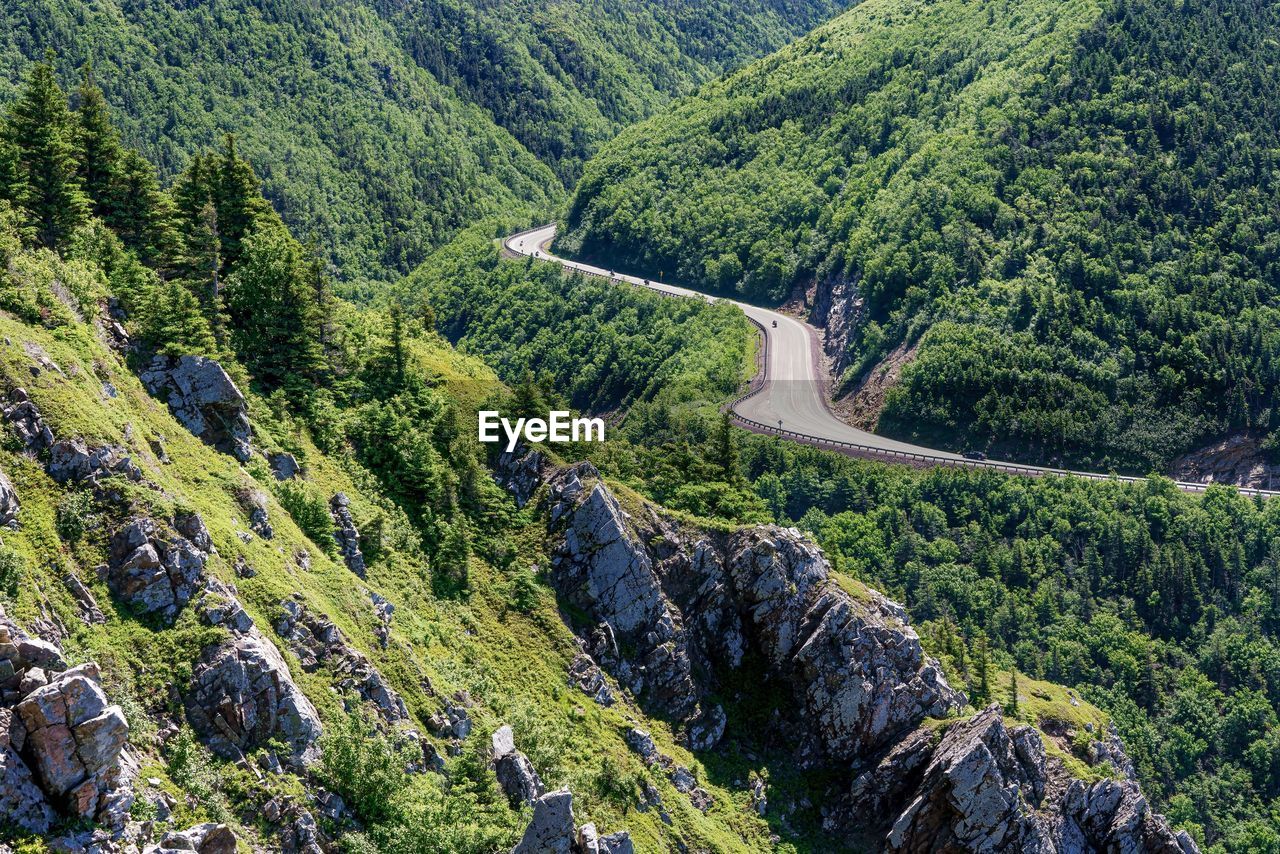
(89, 610)
(27, 422)
(204, 400)
(642, 743)
(589, 679)
(986, 787)
(551, 829)
(9, 505)
(72, 742)
(284, 466)
(521, 472)
(676, 597)
(157, 571)
(344, 531)
(516, 775)
(73, 461)
(318, 642)
(203, 839)
(242, 695)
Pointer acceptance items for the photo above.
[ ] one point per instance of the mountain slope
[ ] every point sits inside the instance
(381, 128)
(1038, 228)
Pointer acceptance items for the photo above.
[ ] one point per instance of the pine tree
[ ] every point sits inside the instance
(982, 667)
(1012, 708)
(41, 127)
(271, 304)
(528, 401)
(237, 195)
(142, 214)
(398, 358)
(725, 454)
(99, 148)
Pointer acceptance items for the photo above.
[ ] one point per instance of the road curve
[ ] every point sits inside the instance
(791, 396)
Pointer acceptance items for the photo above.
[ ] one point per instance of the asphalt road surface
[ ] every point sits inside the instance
(791, 398)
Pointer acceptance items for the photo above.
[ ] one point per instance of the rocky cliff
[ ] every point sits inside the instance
(673, 611)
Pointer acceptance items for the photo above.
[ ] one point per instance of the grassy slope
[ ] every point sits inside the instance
(513, 665)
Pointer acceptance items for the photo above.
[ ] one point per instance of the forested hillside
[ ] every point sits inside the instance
(1046, 229)
(379, 129)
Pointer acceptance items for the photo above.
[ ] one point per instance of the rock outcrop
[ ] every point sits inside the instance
(204, 400)
(9, 504)
(985, 786)
(155, 569)
(319, 643)
(202, 839)
(521, 472)
(516, 775)
(552, 831)
(27, 422)
(60, 739)
(344, 531)
(689, 603)
(74, 461)
(1237, 459)
(241, 693)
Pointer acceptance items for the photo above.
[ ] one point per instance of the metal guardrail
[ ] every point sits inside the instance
(761, 381)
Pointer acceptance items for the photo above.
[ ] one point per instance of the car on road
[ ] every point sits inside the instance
(974, 455)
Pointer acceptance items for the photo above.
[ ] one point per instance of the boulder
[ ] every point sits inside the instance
(284, 466)
(552, 831)
(516, 775)
(318, 642)
(344, 531)
(9, 505)
(156, 570)
(520, 472)
(73, 461)
(204, 399)
(27, 422)
(589, 679)
(73, 740)
(241, 694)
(208, 838)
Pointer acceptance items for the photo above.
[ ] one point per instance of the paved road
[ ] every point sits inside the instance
(793, 389)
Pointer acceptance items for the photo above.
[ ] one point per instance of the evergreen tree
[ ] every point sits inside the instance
(1012, 708)
(98, 148)
(272, 309)
(141, 213)
(528, 401)
(237, 195)
(174, 324)
(725, 454)
(42, 129)
(397, 343)
(982, 667)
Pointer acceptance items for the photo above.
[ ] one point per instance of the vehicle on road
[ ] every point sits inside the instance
(974, 455)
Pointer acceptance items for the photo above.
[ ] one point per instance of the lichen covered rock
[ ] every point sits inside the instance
(345, 533)
(204, 399)
(241, 693)
(155, 569)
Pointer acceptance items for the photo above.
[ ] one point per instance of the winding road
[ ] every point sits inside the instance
(790, 396)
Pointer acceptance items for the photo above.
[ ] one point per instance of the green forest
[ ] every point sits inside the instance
(1065, 212)
(381, 129)
(1162, 608)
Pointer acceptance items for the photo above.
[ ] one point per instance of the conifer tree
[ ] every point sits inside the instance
(1012, 708)
(142, 214)
(237, 195)
(41, 127)
(99, 148)
(726, 449)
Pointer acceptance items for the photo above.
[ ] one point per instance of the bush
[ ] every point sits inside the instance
(13, 566)
(309, 511)
(74, 516)
(365, 767)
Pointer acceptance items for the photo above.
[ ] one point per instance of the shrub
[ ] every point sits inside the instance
(74, 516)
(309, 511)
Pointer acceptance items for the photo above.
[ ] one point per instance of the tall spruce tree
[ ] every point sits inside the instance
(98, 146)
(41, 127)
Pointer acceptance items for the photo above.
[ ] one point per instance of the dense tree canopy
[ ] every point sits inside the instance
(1070, 209)
(380, 129)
